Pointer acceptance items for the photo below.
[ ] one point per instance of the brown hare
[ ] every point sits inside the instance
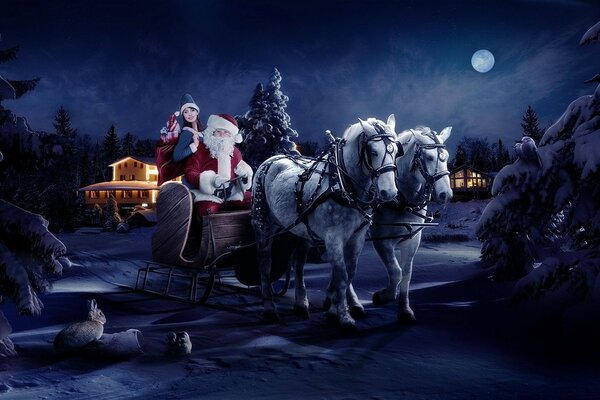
(79, 334)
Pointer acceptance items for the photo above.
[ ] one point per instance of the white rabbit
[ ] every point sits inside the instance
(80, 334)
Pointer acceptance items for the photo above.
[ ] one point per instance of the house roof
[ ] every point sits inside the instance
(465, 166)
(145, 160)
(121, 185)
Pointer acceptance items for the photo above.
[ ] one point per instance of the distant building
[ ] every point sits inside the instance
(469, 183)
(134, 183)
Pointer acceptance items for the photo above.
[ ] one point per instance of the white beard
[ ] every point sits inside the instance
(219, 146)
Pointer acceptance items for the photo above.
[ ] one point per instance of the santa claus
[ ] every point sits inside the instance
(219, 176)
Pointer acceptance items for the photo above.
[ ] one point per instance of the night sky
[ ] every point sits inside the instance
(128, 64)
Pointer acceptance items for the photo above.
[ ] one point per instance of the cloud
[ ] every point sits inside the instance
(422, 90)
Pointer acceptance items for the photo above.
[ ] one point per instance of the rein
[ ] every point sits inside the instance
(418, 163)
(340, 181)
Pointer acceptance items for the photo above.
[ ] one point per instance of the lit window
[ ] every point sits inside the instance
(94, 194)
(125, 164)
(135, 164)
(121, 177)
(133, 177)
(143, 194)
(126, 194)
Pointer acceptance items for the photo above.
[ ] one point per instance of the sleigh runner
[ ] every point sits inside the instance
(201, 253)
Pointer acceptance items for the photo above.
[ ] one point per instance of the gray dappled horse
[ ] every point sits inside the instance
(330, 199)
(422, 174)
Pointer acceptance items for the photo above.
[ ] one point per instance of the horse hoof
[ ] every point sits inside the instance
(347, 325)
(327, 303)
(348, 329)
(357, 312)
(271, 316)
(301, 312)
(407, 318)
(379, 299)
(331, 318)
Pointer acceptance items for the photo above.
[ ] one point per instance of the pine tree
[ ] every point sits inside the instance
(10, 89)
(531, 126)
(460, 156)
(253, 121)
(85, 160)
(144, 148)
(266, 125)
(128, 144)
(62, 123)
(502, 156)
(99, 170)
(111, 146)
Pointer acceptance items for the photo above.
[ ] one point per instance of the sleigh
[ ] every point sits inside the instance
(204, 253)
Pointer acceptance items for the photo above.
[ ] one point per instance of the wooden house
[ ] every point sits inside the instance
(469, 183)
(134, 182)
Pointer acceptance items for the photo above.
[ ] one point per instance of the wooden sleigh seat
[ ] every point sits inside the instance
(185, 248)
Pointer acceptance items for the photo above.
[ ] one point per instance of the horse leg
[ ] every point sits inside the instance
(385, 250)
(301, 302)
(408, 250)
(264, 243)
(339, 284)
(352, 252)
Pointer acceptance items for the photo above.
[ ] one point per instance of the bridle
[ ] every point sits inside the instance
(366, 161)
(419, 163)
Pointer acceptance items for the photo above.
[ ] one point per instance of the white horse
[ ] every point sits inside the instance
(330, 199)
(422, 174)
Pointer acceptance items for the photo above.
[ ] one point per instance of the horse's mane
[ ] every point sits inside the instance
(420, 133)
(356, 128)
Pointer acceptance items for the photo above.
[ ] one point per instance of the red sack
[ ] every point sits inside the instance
(167, 168)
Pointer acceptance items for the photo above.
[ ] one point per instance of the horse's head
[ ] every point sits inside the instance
(423, 170)
(371, 153)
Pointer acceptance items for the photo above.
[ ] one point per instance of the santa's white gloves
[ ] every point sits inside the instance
(244, 171)
(220, 182)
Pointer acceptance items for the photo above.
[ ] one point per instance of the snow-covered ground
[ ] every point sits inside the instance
(470, 341)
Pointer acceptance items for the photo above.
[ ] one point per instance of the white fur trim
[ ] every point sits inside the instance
(238, 138)
(207, 182)
(190, 105)
(216, 122)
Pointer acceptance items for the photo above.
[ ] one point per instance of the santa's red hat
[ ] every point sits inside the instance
(227, 122)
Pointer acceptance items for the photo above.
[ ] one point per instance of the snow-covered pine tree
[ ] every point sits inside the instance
(28, 252)
(253, 122)
(551, 213)
(267, 126)
(531, 125)
(111, 214)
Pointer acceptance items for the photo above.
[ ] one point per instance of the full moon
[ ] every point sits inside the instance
(482, 60)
